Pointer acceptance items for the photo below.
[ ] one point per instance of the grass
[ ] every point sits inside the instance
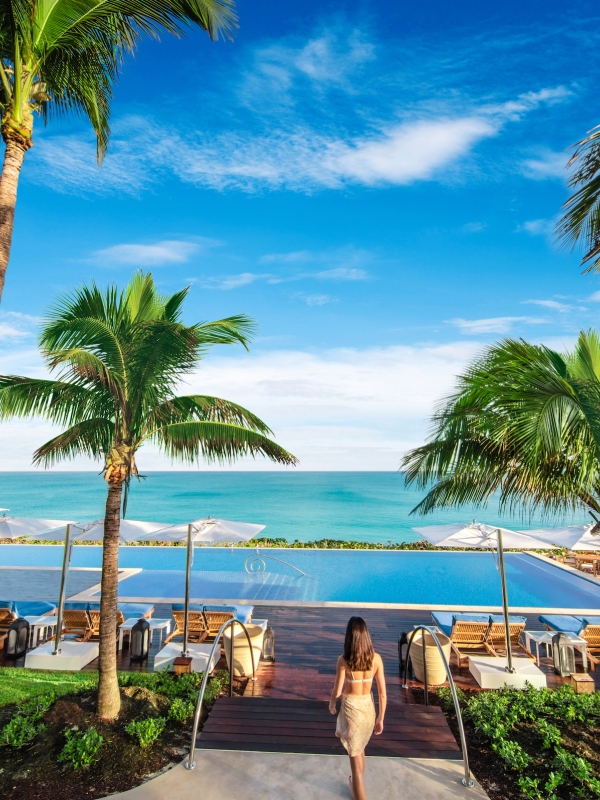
(18, 684)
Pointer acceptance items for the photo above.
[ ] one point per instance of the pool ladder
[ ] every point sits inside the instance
(467, 780)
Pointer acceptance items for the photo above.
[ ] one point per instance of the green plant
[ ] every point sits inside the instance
(512, 754)
(446, 699)
(63, 57)
(531, 788)
(551, 734)
(119, 356)
(20, 730)
(146, 731)
(522, 423)
(81, 748)
(180, 711)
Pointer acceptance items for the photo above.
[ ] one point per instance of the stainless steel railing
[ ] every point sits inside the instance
(190, 763)
(256, 563)
(467, 780)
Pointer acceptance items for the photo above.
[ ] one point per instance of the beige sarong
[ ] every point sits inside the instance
(355, 722)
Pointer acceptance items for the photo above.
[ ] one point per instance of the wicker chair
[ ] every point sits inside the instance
(95, 620)
(77, 621)
(495, 639)
(464, 634)
(214, 621)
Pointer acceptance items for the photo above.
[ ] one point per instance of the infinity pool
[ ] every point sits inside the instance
(431, 579)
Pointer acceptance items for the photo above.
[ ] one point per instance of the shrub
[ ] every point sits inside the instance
(147, 731)
(25, 724)
(180, 711)
(81, 748)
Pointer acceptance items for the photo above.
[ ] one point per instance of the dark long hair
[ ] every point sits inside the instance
(358, 647)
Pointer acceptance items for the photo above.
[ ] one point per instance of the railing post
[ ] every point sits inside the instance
(467, 780)
(190, 763)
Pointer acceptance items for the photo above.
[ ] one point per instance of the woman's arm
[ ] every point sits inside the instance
(338, 685)
(382, 693)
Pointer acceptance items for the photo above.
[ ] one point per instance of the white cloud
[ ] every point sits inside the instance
(15, 326)
(168, 251)
(227, 282)
(10, 332)
(492, 324)
(553, 304)
(350, 409)
(547, 164)
(595, 297)
(474, 227)
(317, 299)
(536, 227)
(296, 256)
(342, 274)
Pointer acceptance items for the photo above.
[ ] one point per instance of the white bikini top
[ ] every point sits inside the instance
(358, 680)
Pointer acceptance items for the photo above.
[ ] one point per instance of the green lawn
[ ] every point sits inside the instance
(18, 684)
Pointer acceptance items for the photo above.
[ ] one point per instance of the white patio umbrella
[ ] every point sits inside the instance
(210, 531)
(88, 532)
(573, 537)
(14, 527)
(476, 534)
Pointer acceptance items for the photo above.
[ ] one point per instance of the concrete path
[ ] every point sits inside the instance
(231, 775)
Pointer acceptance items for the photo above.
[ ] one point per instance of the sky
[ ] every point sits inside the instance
(375, 183)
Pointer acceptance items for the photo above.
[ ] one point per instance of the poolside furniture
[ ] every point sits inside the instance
(39, 626)
(216, 615)
(495, 639)
(159, 625)
(199, 653)
(490, 672)
(77, 621)
(73, 655)
(588, 628)
(588, 562)
(545, 637)
(95, 619)
(197, 627)
(465, 631)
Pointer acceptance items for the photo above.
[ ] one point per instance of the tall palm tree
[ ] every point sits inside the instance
(63, 56)
(119, 357)
(580, 224)
(523, 422)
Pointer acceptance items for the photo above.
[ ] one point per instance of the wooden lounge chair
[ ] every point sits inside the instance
(467, 632)
(587, 628)
(214, 621)
(6, 617)
(95, 620)
(495, 640)
(78, 622)
(197, 627)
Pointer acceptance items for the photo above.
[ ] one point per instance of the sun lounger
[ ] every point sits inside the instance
(77, 621)
(12, 609)
(495, 640)
(587, 628)
(197, 627)
(465, 631)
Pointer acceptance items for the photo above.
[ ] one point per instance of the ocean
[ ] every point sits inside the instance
(364, 506)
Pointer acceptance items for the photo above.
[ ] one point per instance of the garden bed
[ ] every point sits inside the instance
(539, 744)
(55, 747)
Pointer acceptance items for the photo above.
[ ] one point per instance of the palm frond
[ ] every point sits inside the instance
(195, 407)
(90, 438)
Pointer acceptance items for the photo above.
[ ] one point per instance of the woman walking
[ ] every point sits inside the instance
(356, 722)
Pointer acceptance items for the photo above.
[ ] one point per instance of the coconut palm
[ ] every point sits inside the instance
(523, 422)
(63, 56)
(580, 224)
(119, 357)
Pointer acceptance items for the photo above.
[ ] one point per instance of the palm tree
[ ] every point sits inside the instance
(64, 56)
(120, 357)
(581, 221)
(523, 422)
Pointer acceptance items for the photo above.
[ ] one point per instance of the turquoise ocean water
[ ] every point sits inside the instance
(367, 506)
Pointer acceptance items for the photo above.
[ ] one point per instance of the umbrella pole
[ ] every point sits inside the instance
(63, 587)
(509, 667)
(188, 572)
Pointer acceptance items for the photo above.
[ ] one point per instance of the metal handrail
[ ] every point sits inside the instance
(257, 557)
(467, 780)
(190, 763)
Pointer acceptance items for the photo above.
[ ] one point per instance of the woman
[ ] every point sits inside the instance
(356, 670)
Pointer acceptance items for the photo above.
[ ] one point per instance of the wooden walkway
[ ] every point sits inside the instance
(274, 725)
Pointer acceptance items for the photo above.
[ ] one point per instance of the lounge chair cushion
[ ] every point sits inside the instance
(563, 622)
(131, 610)
(241, 613)
(445, 619)
(33, 608)
(78, 606)
(193, 607)
(10, 604)
(589, 621)
(513, 619)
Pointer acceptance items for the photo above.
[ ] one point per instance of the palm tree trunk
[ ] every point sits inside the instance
(16, 147)
(109, 698)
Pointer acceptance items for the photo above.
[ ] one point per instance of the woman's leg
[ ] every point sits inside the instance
(357, 765)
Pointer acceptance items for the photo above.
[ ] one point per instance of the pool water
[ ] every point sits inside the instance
(431, 579)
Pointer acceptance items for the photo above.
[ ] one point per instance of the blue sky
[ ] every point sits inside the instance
(375, 183)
